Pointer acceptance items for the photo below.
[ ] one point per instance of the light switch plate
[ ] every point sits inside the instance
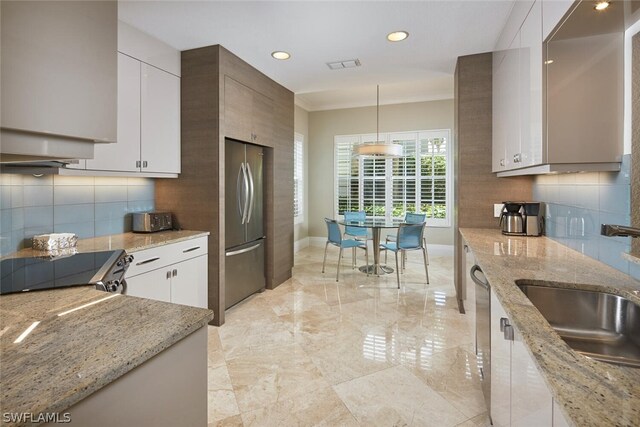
(497, 208)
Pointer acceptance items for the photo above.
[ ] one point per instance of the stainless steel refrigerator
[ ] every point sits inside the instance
(244, 234)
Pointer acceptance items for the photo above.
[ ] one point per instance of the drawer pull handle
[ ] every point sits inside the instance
(191, 249)
(147, 261)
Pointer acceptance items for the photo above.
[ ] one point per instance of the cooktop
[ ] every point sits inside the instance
(105, 270)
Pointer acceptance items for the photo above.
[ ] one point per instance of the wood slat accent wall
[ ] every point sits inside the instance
(476, 188)
(197, 196)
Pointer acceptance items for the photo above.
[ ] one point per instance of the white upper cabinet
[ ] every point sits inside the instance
(530, 94)
(160, 125)
(125, 155)
(512, 92)
(148, 110)
(552, 111)
(136, 44)
(500, 103)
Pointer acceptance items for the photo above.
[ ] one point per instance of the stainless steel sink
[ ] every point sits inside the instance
(600, 325)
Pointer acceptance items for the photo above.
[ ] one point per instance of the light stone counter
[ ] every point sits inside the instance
(590, 393)
(71, 353)
(130, 242)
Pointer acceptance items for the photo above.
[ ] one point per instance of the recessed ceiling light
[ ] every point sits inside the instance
(602, 5)
(397, 36)
(280, 54)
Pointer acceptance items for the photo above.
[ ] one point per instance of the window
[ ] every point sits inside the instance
(387, 188)
(298, 179)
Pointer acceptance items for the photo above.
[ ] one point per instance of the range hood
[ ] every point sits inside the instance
(59, 79)
(20, 146)
(41, 167)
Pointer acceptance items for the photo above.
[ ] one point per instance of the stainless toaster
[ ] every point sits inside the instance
(148, 222)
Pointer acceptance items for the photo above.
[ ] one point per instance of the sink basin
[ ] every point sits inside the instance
(600, 325)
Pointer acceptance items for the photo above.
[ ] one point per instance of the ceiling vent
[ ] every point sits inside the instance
(339, 65)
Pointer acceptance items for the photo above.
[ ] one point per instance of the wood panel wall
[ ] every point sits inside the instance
(476, 188)
(197, 197)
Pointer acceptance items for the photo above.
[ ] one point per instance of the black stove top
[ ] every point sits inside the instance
(105, 270)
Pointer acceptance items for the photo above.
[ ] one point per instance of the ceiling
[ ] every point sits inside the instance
(316, 32)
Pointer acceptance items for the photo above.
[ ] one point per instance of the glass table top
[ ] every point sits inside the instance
(372, 223)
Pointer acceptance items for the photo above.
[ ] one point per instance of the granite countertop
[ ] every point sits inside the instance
(589, 392)
(78, 348)
(130, 242)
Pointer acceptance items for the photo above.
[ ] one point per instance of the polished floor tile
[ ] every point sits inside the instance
(395, 397)
(360, 351)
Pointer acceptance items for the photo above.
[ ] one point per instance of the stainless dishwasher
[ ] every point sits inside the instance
(483, 331)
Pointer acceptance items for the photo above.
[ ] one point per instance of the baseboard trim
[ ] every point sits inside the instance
(434, 249)
(317, 242)
(300, 244)
(440, 250)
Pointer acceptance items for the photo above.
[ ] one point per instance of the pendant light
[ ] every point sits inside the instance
(378, 148)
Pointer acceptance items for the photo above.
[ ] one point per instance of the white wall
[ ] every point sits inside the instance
(324, 125)
(301, 126)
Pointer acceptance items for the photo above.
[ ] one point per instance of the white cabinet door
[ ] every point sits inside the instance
(124, 155)
(531, 401)
(154, 285)
(512, 104)
(189, 282)
(499, 107)
(530, 93)
(160, 124)
(500, 368)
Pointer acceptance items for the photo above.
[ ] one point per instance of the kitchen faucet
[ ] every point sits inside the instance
(610, 230)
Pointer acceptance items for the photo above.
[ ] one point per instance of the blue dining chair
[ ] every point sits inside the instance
(334, 237)
(410, 237)
(409, 218)
(358, 233)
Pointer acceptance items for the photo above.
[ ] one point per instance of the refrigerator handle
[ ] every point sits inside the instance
(246, 194)
(239, 191)
(251, 192)
(243, 251)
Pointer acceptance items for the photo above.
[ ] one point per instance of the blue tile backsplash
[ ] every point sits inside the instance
(87, 206)
(578, 203)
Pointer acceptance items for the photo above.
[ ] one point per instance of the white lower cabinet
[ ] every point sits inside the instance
(531, 401)
(187, 278)
(500, 368)
(152, 285)
(174, 273)
(519, 395)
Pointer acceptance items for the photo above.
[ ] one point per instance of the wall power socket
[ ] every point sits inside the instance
(497, 208)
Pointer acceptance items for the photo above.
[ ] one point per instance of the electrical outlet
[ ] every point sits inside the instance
(497, 208)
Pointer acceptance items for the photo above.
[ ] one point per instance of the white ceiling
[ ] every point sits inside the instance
(316, 32)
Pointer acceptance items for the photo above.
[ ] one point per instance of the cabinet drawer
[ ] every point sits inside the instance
(162, 256)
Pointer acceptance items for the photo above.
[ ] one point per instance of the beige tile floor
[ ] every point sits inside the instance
(356, 352)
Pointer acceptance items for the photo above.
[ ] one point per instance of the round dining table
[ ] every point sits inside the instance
(376, 225)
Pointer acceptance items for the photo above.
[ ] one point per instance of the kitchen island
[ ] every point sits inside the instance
(106, 359)
(587, 392)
